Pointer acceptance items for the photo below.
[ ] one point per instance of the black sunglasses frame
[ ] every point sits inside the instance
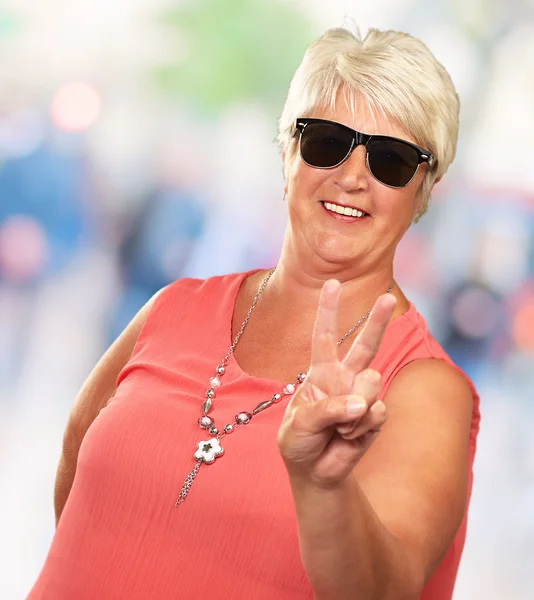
(364, 139)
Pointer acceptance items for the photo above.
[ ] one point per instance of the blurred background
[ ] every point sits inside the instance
(137, 147)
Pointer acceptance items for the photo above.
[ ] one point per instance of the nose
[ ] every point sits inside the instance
(353, 174)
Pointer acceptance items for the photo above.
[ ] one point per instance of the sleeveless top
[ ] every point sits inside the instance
(235, 536)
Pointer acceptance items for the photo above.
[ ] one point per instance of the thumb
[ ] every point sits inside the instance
(313, 417)
(308, 393)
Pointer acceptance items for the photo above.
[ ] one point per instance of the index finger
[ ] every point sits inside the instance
(324, 340)
(366, 345)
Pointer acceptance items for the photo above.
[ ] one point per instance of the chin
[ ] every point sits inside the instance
(331, 251)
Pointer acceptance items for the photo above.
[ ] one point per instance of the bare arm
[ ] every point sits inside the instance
(377, 502)
(383, 532)
(93, 396)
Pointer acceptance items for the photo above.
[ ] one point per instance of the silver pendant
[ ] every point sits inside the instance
(207, 452)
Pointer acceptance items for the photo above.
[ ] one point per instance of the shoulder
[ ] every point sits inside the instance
(192, 293)
(187, 290)
(417, 371)
(432, 372)
(194, 286)
(434, 400)
(410, 349)
(189, 301)
(431, 381)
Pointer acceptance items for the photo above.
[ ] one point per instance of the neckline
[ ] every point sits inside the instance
(233, 365)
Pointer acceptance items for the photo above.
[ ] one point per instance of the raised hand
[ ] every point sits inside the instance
(334, 416)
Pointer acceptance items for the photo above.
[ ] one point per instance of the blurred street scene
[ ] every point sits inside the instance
(137, 147)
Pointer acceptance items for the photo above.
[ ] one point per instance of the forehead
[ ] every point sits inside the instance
(362, 117)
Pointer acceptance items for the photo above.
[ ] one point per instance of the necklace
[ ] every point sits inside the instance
(208, 450)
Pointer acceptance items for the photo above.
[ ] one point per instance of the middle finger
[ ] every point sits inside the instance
(365, 346)
(367, 385)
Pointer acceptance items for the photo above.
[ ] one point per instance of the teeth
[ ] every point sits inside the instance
(343, 210)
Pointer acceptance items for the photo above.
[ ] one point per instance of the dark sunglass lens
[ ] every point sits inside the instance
(392, 163)
(324, 145)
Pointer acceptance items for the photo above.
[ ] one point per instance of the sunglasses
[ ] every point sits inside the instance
(391, 161)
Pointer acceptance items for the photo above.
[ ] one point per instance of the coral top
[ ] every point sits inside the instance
(235, 537)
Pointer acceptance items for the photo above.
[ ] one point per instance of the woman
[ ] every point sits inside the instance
(309, 492)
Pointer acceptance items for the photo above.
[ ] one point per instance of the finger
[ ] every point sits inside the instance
(315, 417)
(372, 421)
(366, 345)
(324, 346)
(346, 428)
(367, 384)
(351, 451)
(365, 441)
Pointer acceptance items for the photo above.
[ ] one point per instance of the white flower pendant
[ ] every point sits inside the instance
(208, 450)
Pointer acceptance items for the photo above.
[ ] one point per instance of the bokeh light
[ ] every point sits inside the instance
(523, 326)
(75, 107)
(23, 248)
(475, 312)
(21, 132)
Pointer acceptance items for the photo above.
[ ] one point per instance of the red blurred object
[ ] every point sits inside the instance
(75, 106)
(23, 248)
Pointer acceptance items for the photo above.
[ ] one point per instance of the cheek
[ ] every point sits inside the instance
(397, 208)
(304, 180)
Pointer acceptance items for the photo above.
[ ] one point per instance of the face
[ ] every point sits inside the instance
(367, 241)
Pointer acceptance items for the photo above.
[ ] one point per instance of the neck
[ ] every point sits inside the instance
(297, 286)
(286, 314)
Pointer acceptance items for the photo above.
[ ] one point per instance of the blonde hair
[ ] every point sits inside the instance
(395, 74)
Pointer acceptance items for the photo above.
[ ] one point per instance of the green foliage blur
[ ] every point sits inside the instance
(235, 51)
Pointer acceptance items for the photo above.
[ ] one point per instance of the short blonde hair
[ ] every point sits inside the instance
(395, 74)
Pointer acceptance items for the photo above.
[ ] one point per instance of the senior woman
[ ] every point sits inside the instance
(233, 442)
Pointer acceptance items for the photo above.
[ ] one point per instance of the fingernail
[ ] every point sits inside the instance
(355, 408)
(372, 376)
(390, 300)
(378, 407)
(332, 286)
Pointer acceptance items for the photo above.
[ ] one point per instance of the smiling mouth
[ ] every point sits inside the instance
(346, 211)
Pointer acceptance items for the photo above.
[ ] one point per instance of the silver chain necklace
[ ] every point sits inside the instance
(209, 450)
